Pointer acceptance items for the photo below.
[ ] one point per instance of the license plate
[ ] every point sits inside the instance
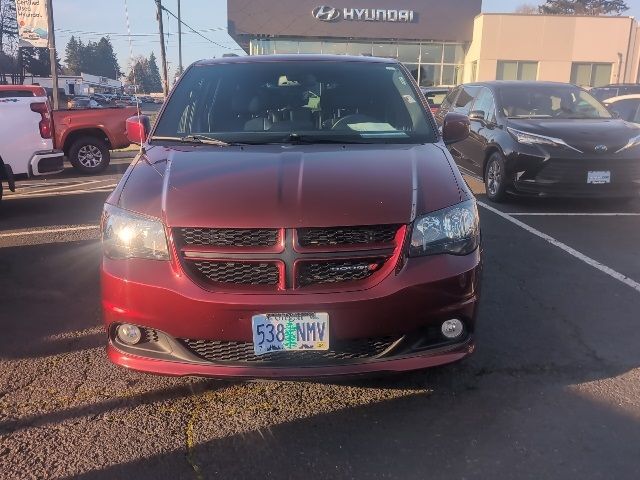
(598, 177)
(274, 332)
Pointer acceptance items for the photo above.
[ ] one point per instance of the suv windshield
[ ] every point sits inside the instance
(306, 101)
(550, 101)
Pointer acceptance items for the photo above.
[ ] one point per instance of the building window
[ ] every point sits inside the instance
(474, 71)
(591, 74)
(430, 63)
(310, 47)
(516, 70)
(286, 46)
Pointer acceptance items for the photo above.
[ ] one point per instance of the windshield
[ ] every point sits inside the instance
(550, 101)
(283, 101)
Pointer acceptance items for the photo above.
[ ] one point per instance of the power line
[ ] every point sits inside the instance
(195, 31)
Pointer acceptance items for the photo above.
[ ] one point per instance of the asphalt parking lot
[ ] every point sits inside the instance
(553, 390)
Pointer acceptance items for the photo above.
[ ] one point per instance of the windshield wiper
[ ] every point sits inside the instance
(200, 139)
(311, 139)
(204, 140)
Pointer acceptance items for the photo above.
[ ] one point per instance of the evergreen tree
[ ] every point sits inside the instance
(73, 57)
(36, 61)
(155, 82)
(584, 7)
(94, 58)
(106, 60)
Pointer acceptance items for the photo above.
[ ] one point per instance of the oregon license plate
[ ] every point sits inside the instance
(274, 332)
(599, 177)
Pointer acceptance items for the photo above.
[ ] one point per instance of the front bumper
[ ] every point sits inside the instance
(568, 177)
(156, 295)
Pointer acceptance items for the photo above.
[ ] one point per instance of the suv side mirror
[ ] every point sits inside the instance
(477, 115)
(456, 127)
(138, 129)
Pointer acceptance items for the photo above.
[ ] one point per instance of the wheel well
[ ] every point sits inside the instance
(490, 151)
(89, 132)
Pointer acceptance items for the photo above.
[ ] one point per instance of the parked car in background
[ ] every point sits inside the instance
(86, 136)
(615, 90)
(26, 135)
(82, 102)
(258, 237)
(544, 139)
(435, 96)
(102, 99)
(626, 107)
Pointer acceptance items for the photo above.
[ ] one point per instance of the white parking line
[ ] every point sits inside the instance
(571, 214)
(62, 187)
(566, 248)
(101, 189)
(77, 228)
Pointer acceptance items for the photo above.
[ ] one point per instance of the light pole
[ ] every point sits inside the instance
(179, 40)
(52, 55)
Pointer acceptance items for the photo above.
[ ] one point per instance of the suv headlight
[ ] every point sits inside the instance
(128, 235)
(527, 138)
(454, 230)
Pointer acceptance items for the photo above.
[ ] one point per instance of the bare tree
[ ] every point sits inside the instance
(584, 7)
(527, 8)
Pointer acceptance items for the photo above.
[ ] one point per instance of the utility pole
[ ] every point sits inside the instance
(179, 40)
(52, 55)
(163, 53)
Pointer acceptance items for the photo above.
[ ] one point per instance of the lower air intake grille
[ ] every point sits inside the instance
(238, 273)
(239, 352)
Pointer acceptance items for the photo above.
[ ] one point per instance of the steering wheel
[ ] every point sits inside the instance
(343, 123)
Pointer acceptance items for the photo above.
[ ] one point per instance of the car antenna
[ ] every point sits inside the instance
(135, 81)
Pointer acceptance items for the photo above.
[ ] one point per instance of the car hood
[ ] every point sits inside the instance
(583, 134)
(290, 186)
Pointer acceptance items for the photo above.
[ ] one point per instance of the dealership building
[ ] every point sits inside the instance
(445, 43)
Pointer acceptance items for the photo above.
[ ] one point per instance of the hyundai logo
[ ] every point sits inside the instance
(326, 14)
(601, 148)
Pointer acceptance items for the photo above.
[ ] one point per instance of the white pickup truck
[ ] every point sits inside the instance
(26, 131)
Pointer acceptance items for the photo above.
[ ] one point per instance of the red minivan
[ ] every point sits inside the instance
(291, 216)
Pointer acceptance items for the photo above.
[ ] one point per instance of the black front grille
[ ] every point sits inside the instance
(337, 271)
(230, 237)
(241, 352)
(237, 273)
(312, 237)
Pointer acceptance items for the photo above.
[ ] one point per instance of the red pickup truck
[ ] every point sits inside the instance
(86, 136)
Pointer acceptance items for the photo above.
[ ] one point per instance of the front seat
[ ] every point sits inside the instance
(260, 121)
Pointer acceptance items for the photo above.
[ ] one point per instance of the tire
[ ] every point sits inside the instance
(495, 178)
(89, 155)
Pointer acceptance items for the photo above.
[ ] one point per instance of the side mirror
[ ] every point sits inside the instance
(477, 115)
(456, 127)
(138, 129)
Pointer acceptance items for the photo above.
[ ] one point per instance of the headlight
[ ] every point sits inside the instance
(533, 139)
(630, 144)
(454, 230)
(127, 235)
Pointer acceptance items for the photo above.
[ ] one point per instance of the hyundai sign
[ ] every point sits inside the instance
(325, 13)
(412, 20)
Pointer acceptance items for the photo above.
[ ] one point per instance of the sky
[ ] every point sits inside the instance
(91, 19)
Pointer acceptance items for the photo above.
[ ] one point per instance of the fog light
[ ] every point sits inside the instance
(452, 328)
(129, 334)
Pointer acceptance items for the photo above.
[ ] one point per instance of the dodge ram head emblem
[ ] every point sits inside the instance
(601, 148)
(325, 13)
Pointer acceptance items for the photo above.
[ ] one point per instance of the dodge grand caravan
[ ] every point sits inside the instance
(291, 216)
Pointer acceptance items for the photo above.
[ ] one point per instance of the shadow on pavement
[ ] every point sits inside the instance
(450, 434)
